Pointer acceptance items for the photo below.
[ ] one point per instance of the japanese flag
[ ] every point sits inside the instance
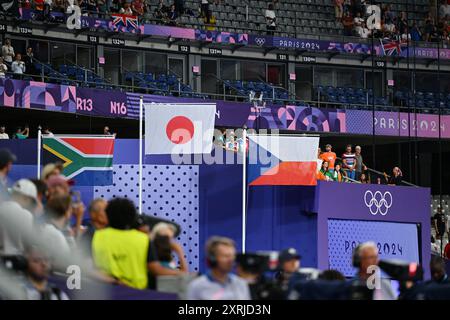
(179, 128)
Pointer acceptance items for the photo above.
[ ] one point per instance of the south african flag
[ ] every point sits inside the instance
(88, 160)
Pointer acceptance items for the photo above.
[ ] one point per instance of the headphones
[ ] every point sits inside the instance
(211, 260)
(356, 257)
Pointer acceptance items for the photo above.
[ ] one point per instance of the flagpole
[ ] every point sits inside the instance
(141, 112)
(39, 140)
(244, 189)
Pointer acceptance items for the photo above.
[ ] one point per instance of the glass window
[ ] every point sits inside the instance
(84, 57)
(253, 71)
(132, 61)
(350, 78)
(62, 53)
(176, 67)
(112, 65)
(228, 69)
(40, 50)
(323, 76)
(303, 82)
(276, 75)
(208, 73)
(377, 84)
(402, 80)
(155, 63)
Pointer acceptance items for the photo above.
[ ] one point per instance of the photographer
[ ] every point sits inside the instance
(288, 263)
(219, 283)
(365, 256)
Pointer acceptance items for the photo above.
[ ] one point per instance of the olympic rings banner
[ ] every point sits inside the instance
(118, 104)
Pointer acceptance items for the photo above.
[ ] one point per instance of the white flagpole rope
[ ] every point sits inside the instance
(39, 141)
(244, 189)
(141, 112)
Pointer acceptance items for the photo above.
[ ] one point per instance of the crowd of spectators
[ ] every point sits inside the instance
(15, 62)
(350, 167)
(352, 14)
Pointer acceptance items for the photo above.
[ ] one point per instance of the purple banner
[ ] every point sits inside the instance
(398, 124)
(221, 37)
(175, 32)
(353, 203)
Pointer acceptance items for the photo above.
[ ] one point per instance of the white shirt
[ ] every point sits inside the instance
(206, 288)
(358, 21)
(8, 53)
(15, 226)
(363, 33)
(270, 14)
(3, 69)
(18, 67)
(205, 1)
(4, 136)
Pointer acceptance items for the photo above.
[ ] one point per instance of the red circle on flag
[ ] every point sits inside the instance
(180, 130)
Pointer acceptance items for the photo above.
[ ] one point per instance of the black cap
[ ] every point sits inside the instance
(6, 157)
(287, 255)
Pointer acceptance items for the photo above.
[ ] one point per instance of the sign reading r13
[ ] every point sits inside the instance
(374, 18)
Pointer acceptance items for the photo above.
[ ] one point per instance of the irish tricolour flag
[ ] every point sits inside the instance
(88, 160)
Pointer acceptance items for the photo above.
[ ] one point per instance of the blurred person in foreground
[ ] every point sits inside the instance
(165, 244)
(98, 221)
(288, 264)
(38, 270)
(123, 252)
(396, 178)
(51, 169)
(219, 283)
(331, 275)
(16, 218)
(437, 270)
(6, 162)
(365, 256)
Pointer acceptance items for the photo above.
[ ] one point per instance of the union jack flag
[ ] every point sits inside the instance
(127, 22)
(393, 47)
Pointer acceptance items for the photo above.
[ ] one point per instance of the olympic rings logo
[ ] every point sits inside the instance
(378, 202)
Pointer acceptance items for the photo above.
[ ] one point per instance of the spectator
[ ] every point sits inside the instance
(57, 185)
(396, 178)
(415, 33)
(444, 9)
(59, 6)
(28, 59)
(347, 22)
(138, 7)
(219, 283)
(47, 9)
(338, 9)
(440, 223)
(437, 270)
(3, 68)
(288, 264)
(210, 21)
(338, 174)
(363, 32)
(270, 20)
(37, 273)
(126, 9)
(447, 250)
(363, 178)
(402, 24)
(16, 219)
(388, 15)
(357, 22)
(21, 134)
(360, 167)
(3, 134)
(106, 131)
(204, 8)
(324, 173)
(8, 52)
(6, 162)
(41, 188)
(319, 160)
(172, 16)
(98, 221)
(179, 7)
(18, 66)
(160, 13)
(119, 239)
(54, 234)
(47, 132)
(329, 156)
(51, 169)
(163, 239)
(429, 30)
(349, 162)
(365, 256)
(347, 5)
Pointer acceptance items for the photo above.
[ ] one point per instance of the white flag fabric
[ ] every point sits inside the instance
(179, 128)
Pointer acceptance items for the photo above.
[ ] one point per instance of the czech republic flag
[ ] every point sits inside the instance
(282, 160)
